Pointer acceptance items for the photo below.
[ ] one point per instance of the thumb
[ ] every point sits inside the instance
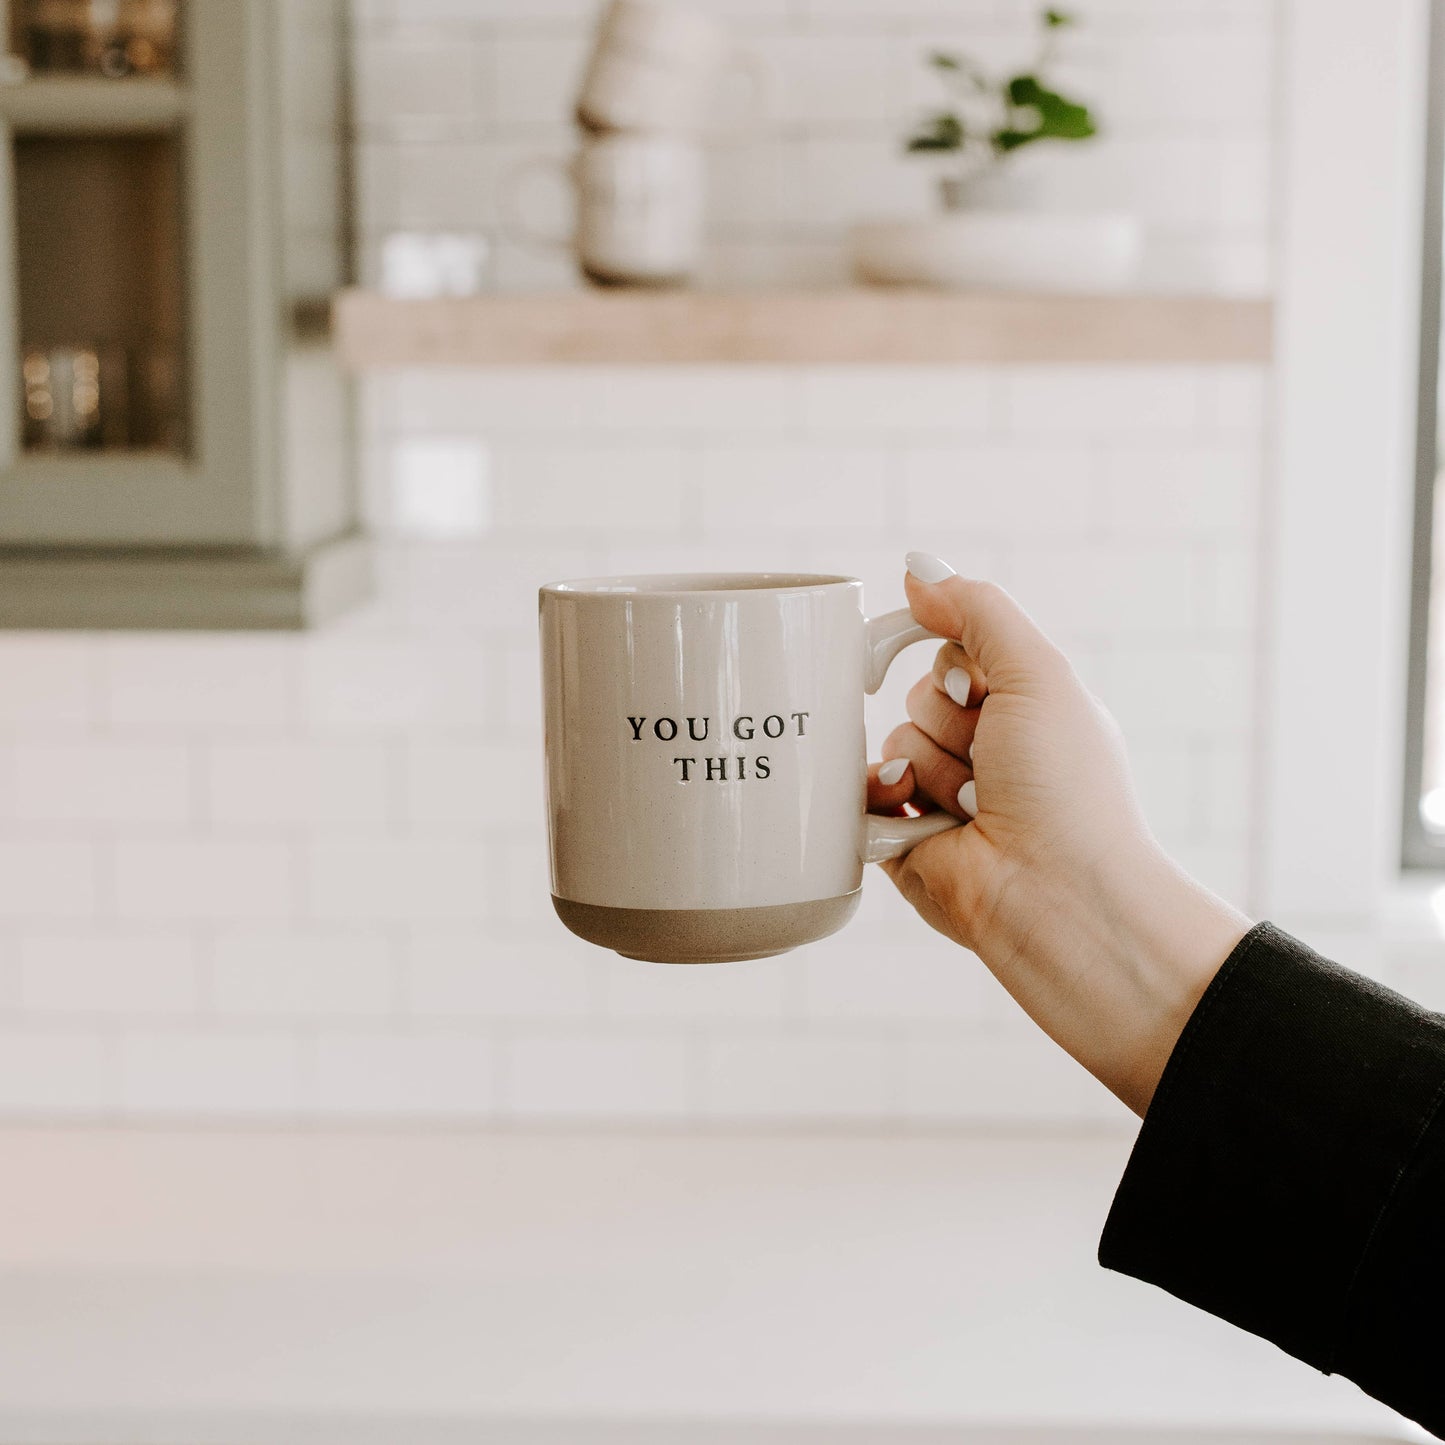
(994, 630)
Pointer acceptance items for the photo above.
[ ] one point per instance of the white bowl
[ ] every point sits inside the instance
(1003, 250)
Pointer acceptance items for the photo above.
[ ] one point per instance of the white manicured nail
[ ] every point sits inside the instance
(968, 798)
(956, 683)
(968, 756)
(892, 771)
(928, 568)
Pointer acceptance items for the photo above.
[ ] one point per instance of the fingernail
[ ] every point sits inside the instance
(892, 771)
(928, 568)
(968, 798)
(968, 756)
(956, 683)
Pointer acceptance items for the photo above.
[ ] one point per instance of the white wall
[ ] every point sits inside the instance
(303, 877)
(453, 95)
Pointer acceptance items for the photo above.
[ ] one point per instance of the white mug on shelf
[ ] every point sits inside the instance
(638, 203)
(655, 67)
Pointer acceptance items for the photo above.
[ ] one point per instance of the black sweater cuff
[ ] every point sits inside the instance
(1290, 1172)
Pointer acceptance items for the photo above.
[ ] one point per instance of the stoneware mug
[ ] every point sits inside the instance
(638, 208)
(656, 66)
(705, 759)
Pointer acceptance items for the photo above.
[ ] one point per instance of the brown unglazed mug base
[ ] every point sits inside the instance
(707, 935)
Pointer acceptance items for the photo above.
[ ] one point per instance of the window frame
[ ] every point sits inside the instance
(1420, 847)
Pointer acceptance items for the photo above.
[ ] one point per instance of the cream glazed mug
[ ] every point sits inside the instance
(706, 767)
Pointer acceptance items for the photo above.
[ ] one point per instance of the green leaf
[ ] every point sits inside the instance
(1057, 19)
(1005, 141)
(1024, 90)
(1059, 118)
(941, 60)
(942, 133)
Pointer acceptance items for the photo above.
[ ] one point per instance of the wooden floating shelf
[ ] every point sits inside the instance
(850, 325)
(85, 104)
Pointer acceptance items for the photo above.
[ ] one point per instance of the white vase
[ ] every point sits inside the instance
(1004, 250)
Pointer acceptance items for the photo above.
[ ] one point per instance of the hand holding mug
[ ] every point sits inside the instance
(1056, 882)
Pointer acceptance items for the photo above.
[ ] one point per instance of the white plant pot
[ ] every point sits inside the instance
(1001, 250)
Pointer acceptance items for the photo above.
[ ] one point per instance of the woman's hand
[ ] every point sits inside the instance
(1056, 882)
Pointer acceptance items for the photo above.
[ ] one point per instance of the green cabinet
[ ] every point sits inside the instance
(176, 440)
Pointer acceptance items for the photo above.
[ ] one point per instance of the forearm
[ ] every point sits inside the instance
(1290, 1175)
(1114, 963)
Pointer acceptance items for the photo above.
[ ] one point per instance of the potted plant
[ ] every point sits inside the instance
(981, 240)
(993, 118)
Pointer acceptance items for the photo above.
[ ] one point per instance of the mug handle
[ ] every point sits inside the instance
(885, 636)
(515, 223)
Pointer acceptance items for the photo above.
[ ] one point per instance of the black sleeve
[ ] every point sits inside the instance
(1290, 1173)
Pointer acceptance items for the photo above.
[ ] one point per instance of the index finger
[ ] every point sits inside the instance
(993, 629)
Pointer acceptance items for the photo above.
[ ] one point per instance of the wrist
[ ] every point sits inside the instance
(1173, 936)
(1112, 960)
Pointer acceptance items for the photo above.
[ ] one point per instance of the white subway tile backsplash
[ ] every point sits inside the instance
(832, 183)
(107, 973)
(785, 1077)
(1226, 789)
(48, 679)
(1246, 202)
(1236, 400)
(885, 975)
(42, 877)
(898, 402)
(1108, 589)
(195, 1075)
(1230, 579)
(383, 684)
(572, 488)
(1163, 690)
(478, 785)
(1001, 490)
(432, 186)
(536, 77)
(707, 399)
(500, 973)
(389, 1075)
(1174, 491)
(221, 680)
(300, 973)
(418, 84)
(576, 1075)
(395, 879)
(1225, 868)
(98, 782)
(325, 782)
(50, 1074)
(1100, 400)
(204, 878)
(1007, 1076)
(1189, 79)
(744, 195)
(747, 264)
(522, 887)
(631, 989)
(1170, 786)
(481, 587)
(824, 80)
(812, 487)
(305, 877)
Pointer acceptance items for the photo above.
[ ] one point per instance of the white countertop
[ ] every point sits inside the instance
(255, 1287)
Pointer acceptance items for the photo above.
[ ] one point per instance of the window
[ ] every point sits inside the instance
(1424, 811)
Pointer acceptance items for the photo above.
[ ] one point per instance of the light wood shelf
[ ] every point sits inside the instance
(850, 325)
(85, 104)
